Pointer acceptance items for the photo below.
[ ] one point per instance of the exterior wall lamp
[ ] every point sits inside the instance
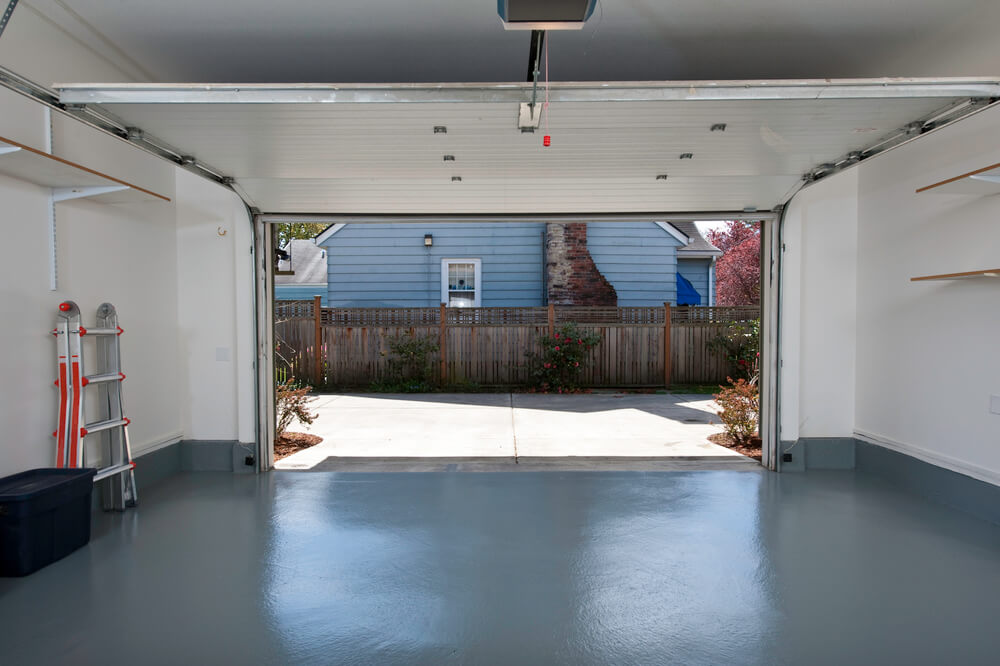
(428, 240)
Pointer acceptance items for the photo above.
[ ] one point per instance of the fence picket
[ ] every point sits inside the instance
(487, 346)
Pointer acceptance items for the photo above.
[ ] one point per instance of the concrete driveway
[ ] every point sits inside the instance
(494, 430)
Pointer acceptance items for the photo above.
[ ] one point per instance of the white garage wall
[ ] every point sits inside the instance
(183, 291)
(909, 366)
(927, 352)
(215, 316)
(124, 254)
(818, 306)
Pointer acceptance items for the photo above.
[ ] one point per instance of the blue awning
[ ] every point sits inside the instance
(686, 293)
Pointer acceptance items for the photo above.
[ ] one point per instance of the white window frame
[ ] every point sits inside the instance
(478, 264)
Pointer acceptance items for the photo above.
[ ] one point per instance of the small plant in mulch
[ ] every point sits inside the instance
(562, 360)
(293, 405)
(293, 442)
(739, 409)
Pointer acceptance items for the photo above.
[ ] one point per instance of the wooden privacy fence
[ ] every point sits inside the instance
(488, 346)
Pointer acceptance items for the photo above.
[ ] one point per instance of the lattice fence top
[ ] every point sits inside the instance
(515, 316)
(685, 314)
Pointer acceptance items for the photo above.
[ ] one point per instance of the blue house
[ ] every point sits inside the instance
(301, 273)
(518, 264)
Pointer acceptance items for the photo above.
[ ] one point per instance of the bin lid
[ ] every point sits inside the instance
(26, 485)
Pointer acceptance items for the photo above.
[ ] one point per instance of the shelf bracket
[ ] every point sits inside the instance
(53, 248)
(69, 193)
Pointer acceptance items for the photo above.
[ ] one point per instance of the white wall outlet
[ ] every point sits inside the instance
(222, 354)
(995, 404)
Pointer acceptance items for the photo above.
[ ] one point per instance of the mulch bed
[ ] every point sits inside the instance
(722, 439)
(293, 442)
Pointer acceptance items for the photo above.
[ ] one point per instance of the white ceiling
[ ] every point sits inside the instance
(463, 40)
(605, 156)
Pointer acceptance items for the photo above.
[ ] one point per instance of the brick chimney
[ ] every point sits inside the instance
(571, 277)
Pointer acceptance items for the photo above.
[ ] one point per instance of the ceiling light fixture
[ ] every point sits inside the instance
(686, 156)
(440, 129)
(661, 176)
(449, 158)
(456, 179)
(718, 127)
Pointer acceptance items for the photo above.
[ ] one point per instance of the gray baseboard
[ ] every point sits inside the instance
(979, 498)
(155, 466)
(205, 455)
(819, 453)
(188, 456)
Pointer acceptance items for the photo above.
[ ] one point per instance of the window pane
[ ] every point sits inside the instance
(461, 277)
(458, 299)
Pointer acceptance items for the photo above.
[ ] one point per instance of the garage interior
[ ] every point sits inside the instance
(873, 536)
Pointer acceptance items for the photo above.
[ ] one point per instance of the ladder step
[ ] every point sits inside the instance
(98, 379)
(111, 471)
(100, 331)
(98, 426)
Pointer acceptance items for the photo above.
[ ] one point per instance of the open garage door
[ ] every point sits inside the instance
(622, 151)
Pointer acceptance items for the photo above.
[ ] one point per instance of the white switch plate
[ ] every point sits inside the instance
(995, 404)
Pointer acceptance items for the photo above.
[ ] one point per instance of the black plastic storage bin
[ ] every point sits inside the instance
(44, 516)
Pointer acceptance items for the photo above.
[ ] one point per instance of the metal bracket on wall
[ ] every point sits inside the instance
(6, 15)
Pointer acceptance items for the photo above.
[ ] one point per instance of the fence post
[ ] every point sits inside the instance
(552, 319)
(666, 345)
(442, 337)
(318, 346)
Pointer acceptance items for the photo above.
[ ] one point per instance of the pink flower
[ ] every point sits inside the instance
(576, 364)
(548, 365)
(557, 336)
(580, 341)
(557, 348)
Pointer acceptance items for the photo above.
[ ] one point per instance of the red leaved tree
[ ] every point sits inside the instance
(737, 272)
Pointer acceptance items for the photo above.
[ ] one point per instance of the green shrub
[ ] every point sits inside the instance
(563, 358)
(740, 342)
(740, 407)
(408, 369)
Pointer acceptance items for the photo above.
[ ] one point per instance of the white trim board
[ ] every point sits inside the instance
(698, 254)
(937, 459)
(329, 231)
(675, 232)
(478, 267)
(559, 91)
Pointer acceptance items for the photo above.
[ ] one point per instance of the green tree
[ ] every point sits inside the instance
(305, 230)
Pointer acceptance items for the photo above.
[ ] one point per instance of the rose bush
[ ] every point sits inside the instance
(558, 366)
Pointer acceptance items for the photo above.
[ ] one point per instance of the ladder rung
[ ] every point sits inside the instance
(100, 331)
(98, 426)
(98, 379)
(111, 471)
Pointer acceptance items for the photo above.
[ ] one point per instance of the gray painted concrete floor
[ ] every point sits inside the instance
(510, 426)
(547, 568)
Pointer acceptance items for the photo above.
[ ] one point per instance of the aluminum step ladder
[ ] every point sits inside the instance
(119, 489)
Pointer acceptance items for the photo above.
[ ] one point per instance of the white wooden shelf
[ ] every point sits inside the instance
(989, 273)
(982, 182)
(68, 180)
